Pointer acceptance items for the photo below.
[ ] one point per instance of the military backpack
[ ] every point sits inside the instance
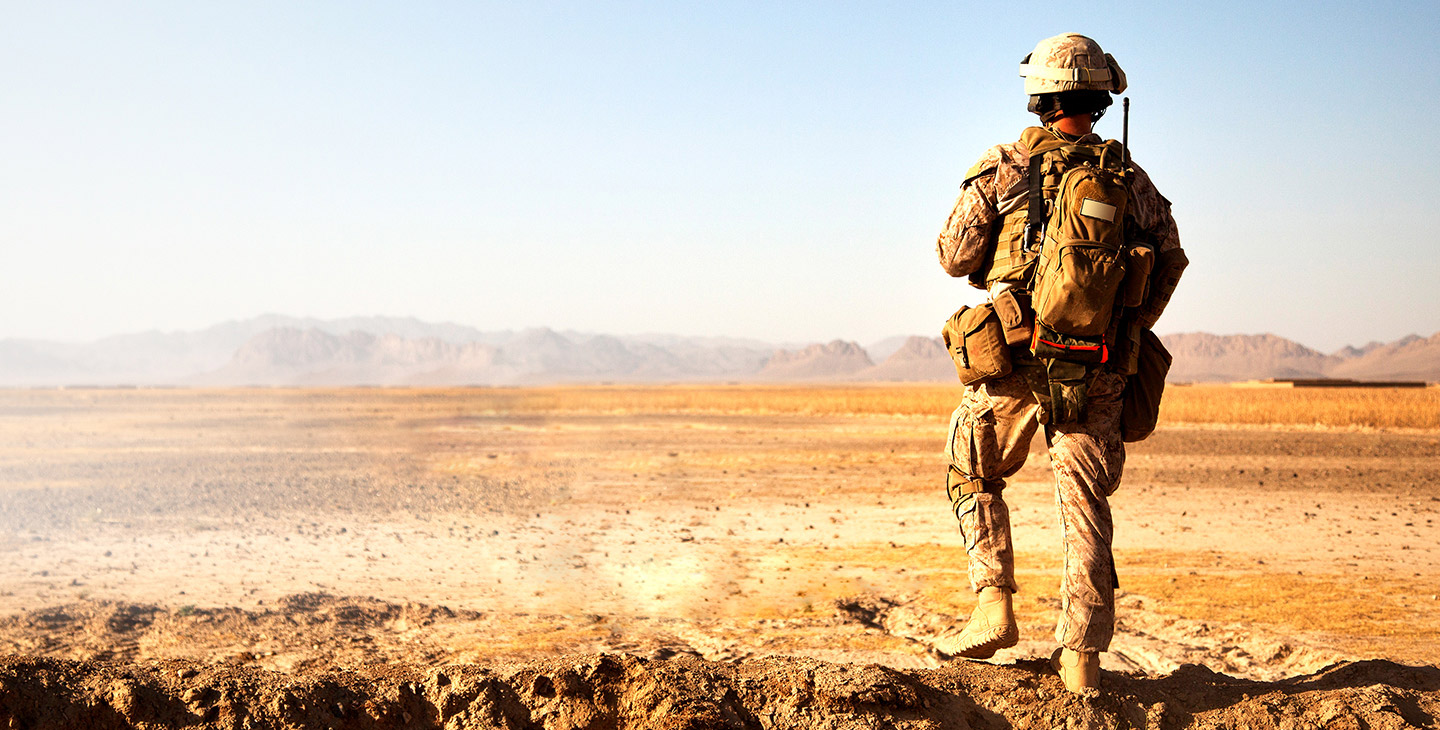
(1089, 262)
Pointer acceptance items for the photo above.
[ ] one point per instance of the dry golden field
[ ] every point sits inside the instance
(1218, 404)
(1262, 533)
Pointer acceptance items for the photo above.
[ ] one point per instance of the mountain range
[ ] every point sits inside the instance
(279, 350)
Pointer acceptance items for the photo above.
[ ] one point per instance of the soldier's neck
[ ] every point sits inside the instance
(1077, 125)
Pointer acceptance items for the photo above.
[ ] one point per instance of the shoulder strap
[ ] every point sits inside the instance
(1039, 140)
(1035, 207)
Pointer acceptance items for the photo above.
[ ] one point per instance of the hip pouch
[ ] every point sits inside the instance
(976, 343)
(1140, 407)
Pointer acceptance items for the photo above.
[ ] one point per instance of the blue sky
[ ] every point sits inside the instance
(769, 170)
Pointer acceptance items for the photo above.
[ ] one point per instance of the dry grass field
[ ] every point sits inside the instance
(1218, 404)
(1260, 533)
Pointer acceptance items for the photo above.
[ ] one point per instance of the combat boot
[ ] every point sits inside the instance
(1078, 670)
(991, 628)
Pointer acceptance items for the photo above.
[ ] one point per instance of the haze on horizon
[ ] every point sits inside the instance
(772, 171)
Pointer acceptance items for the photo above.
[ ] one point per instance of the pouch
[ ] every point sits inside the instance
(1047, 344)
(1139, 262)
(976, 343)
(1140, 407)
(1125, 354)
(1075, 286)
(1016, 317)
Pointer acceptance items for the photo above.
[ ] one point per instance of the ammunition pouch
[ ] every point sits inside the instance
(1125, 355)
(1069, 390)
(1017, 319)
(1139, 262)
(976, 342)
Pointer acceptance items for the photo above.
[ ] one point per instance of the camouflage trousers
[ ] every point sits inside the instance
(989, 440)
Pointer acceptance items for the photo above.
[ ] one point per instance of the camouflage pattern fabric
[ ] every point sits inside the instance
(1071, 51)
(989, 441)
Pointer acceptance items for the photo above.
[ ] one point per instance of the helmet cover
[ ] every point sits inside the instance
(1070, 61)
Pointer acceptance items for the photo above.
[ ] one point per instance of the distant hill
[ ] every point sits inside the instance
(279, 350)
(883, 349)
(290, 356)
(168, 358)
(1411, 358)
(1201, 357)
(833, 361)
(917, 359)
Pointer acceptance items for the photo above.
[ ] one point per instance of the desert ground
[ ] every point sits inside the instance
(689, 556)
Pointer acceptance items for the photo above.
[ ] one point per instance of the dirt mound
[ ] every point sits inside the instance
(318, 660)
(622, 691)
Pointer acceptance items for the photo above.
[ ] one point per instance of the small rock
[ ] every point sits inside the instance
(185, 673)
(122, 698)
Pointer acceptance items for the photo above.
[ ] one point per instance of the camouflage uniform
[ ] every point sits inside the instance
(990, 432)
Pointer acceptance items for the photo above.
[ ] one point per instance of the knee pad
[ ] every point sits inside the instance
(962, 488)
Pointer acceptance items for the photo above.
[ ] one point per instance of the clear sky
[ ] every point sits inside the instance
(775, 170)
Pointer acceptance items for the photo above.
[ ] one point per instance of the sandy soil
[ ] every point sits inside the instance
(347, 543)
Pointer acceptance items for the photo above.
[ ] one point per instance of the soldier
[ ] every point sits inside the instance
(988, 238)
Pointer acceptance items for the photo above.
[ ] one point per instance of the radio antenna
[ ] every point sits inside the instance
(1125, 130)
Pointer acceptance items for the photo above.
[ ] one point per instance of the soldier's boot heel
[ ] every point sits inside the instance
(1078, 670)
(991, 628)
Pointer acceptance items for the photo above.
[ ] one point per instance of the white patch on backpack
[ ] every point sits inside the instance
(1097, 210)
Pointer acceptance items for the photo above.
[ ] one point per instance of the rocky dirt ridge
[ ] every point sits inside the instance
(352, 679)
(624, 691)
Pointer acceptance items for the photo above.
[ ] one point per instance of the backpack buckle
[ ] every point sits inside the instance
(1033, 233)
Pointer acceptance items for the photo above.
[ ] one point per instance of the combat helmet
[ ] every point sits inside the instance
(1070, 62)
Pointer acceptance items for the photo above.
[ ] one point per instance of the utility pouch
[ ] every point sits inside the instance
(1069, 390)
(1125, 359)
(1140, 407)
(1139, 262)
(1075, 286)
(1017, 319)
(1047, 344)
(976, 343)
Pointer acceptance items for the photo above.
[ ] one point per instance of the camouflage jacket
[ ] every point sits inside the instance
(998, 184)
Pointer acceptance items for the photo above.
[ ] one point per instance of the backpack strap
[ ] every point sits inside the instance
(1035, 208)
(1037, 141)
